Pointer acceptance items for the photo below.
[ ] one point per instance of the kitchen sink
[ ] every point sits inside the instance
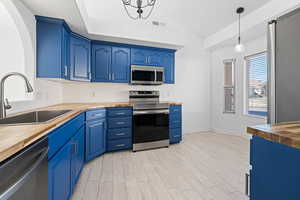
(36, 117)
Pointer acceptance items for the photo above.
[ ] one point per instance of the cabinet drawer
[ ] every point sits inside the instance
(95, 114)
(119, 112)
(175, 123)
(114, 145)
(119, 133)
(175, 109)
(175, 135)
(59, 137)
(119, 122)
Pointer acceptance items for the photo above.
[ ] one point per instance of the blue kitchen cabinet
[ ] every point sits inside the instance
(119, 133)
(78, 145)
(80, 56)
(59, 174)
(139, 56)
(53, 43)
(120, 64)
(101, 63)
(275, 170)
(168, 62)
(175, 121)
(95, 133)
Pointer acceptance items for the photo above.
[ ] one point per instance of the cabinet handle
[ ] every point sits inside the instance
(120, 145)
(247, 185)
(109, 76)
(98, 115)
(113, 76)
(66, 71)
(176, 136)
(120, 123)
(120, 113)
(74, 148)
(119, 134)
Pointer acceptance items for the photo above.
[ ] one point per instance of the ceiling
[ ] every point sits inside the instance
(108, 17)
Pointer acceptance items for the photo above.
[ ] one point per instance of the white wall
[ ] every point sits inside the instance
(191, 88)
(45, 92)
(232, 123)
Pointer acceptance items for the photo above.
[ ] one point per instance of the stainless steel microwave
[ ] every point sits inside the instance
(147, 75)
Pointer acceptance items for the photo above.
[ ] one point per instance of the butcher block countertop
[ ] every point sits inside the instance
(15, 138)
(287, 133)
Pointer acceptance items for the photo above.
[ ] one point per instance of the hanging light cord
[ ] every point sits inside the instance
(239, 29)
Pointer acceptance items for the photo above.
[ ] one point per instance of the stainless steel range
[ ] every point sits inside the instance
(150, 120)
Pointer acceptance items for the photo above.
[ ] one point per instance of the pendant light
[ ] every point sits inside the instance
(239, 47)
(140, 6)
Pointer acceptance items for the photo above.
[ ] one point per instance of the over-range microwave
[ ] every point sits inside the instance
(147, 75)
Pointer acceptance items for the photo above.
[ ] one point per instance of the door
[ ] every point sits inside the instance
(139, 57)
(95, 138)
(101, 63)
(168, 64)
(150, 126)
(287, 70)
(80, 59)
(60, 174)
(120, 64)
(78, 155)
(154, 58)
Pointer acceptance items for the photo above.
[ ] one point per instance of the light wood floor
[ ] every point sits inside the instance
(202, 167)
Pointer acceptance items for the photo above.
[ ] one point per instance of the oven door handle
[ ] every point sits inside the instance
(146, 112)
(18, 184)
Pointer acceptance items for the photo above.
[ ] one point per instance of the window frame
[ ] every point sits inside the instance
(233, 86)
(246, 93)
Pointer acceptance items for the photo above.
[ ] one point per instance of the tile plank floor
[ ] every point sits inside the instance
(205, 166)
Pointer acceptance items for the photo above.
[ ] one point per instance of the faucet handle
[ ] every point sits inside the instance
(7, 105)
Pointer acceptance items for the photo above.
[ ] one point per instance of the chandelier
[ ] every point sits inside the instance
(140, 6)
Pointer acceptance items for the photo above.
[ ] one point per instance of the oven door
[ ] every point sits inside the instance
(150, 126)
(141, 76)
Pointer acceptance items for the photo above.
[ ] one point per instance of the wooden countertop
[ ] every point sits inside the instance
(15, 138)
(287, 133)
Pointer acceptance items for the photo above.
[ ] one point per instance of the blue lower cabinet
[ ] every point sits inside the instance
(95, 138)
(122, 144)
(175, 121)
(78, 145)
(59, 174)
(175, 135)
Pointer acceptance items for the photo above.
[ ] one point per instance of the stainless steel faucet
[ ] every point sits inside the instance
(5, 105)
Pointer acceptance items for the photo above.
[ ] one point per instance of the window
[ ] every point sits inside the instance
(229, 86)
(256, 84)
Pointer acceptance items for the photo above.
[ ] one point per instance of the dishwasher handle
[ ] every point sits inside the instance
(146, 112)
(18, 184)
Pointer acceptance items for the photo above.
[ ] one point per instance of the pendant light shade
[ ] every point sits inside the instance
(239, 47)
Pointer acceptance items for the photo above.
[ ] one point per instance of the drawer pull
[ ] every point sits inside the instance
(247, 185)
(176, 136)
(120, 113)
(98, 115)
(120, 145)
(120, 123)
(176, 110)
(119, 134)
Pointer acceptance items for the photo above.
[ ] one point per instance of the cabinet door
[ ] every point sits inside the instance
(168, 64)
(80, 59)
(154, 58)
(78, 155)
(120, 65)
(101, 63)
(59, 172)
(65, 55)
(95, 138)
(139, 57)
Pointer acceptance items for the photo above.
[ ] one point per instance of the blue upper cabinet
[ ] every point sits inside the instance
(120, 64)
(145, 57)
(101, 63)
(53, 36)
(139, 57)
(168, 62)
(80, 56)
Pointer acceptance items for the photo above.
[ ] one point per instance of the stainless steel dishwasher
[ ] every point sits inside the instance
(24, 176)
